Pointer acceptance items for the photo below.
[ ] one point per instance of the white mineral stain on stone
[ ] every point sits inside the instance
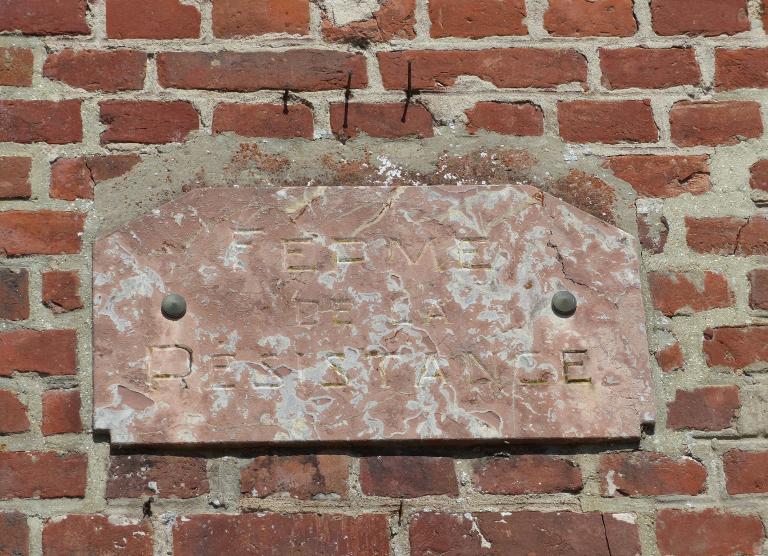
(342, 12)
(626, 518)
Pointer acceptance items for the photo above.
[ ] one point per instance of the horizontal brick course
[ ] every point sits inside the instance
(42, 475)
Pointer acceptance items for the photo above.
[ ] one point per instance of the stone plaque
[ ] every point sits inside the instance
(368, 314)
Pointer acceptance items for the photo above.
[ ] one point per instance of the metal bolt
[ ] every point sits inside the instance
(564, 304)
(174, 306)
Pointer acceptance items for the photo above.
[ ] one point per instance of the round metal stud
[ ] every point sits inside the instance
(564, 304)
(174, 306)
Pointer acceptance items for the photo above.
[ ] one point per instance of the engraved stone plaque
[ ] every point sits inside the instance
(368, 314)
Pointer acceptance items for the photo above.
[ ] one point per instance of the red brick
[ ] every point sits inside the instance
(382, 120)
(650, 474)
(297, 533)
(503, 67)
(393, 19)
(296, 70)
(699, 17)
(163, 476)
(746, 472)
(663, 176)
(246, 18)
(736, 347)
(98, 70)
(670, 358)
(521, 534)
(714, 123)
(758, 288)
(40, 121)
(40, 233)
(160, 19)
(506, 118)
(475, 19)
(16, 67)
(587, 192)
(42, 475)
(741, 68)
(264, 120)
(407, 476)
(61, 291)
(14, 177)
(590, 18)
(711, 408)
(13, 417)
(728, 235)
(648, 68)
(303, 477)
(765, 13)
(526, 474)
(652, 225)
(708, 533)
(14, 294)
(14, 534)
(48, 352)
(75, 178)
(97, 534)
(44, 17)
(758, 175)
(611, 122)
(147, 121)
(61, 412)
(685, 293)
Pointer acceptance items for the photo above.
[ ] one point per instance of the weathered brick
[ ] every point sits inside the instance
(590, 18)
(736, 347)
(652, 225)
(393, 19)
(75, 178)
(14, 294)
(381, 120)
(699, 17)
(758, 288)
(48, 352)
(98, 70)
(44, 17)
(711, 408)
(522, 533)
(650, 474)
(14, 177)
(301, 533)
(97, 534)
(475, 19)
(663, 176)
(525, 474)
(16, 67)
(714, 123)
(161, 476)
(746, 472)
(708, 532)
(13, 419)
(758, 175)
(741, 68)
(588, 192)
(61, 291)
(40, 233)
(160, 19)
(685, 293)
(296, 70)
(264, 120)
(670, 358)
(611, 122)
(728, 235)
(504, 67)
(246, 18)
(303, 477)
(648, 68)
(147, 121)
(14, 534)
(407, 476)
(61, 412)
(506, 118)
(42, 475)
(40, 121)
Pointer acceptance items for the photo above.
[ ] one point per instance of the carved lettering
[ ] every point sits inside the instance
(300, 255)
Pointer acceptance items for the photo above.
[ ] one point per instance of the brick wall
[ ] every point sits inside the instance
(647, 114)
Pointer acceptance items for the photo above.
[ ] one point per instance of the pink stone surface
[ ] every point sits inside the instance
(368, 314)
